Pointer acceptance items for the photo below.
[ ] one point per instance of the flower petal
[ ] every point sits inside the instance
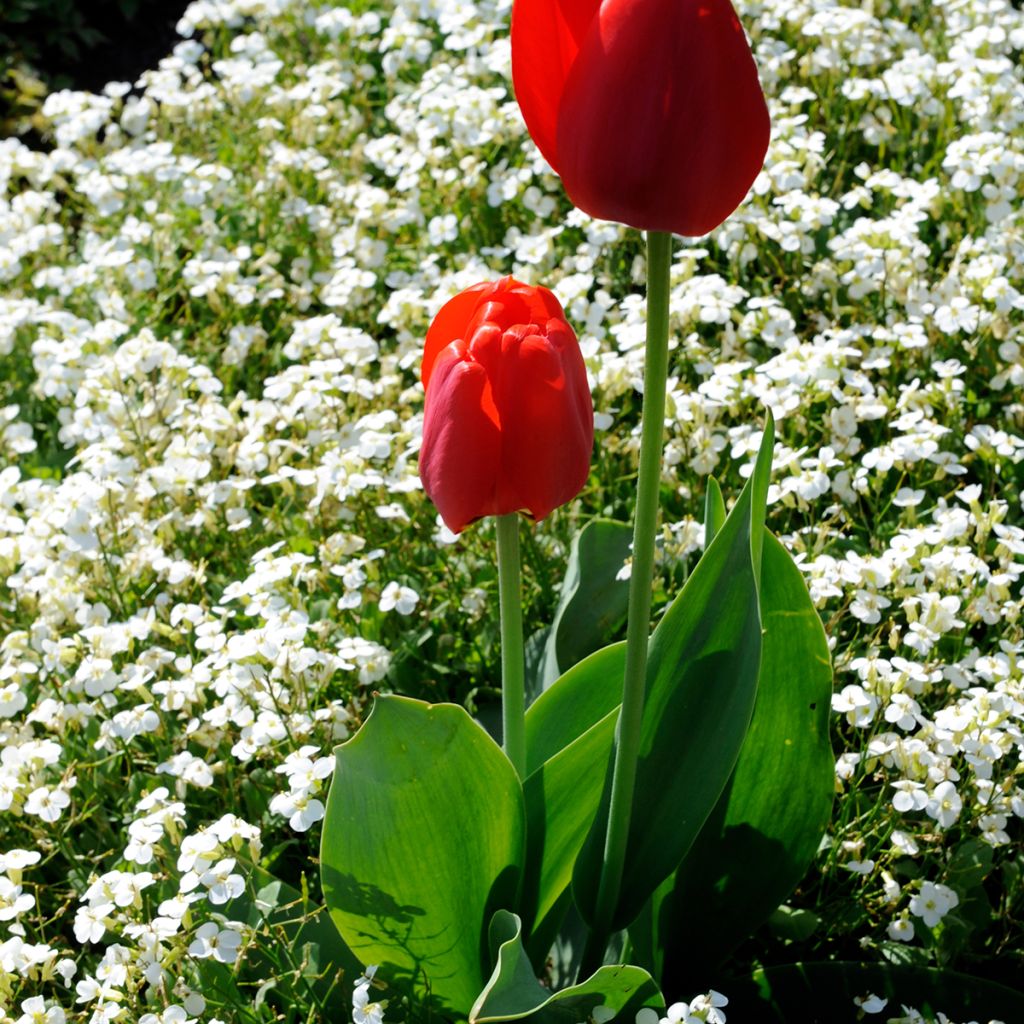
(461, 453)
(451, 322)
(662, 123)
(547, 423)
(546, 36)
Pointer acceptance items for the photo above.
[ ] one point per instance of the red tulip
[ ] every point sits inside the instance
(650, 111)
(509, 422)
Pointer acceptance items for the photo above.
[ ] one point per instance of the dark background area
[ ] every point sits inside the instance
(77, 44)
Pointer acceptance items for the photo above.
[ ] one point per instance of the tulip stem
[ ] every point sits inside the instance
(627, 737)
(513, 672)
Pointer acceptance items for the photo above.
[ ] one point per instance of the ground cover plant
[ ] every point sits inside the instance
(214, 541)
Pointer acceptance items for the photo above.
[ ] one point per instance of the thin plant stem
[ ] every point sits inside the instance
(627, 737)
(513, 688)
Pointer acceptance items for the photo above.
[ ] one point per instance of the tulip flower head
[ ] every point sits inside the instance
(650, 111)
(508, 424)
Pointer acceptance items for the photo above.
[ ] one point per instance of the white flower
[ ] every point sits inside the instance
(220, 943)
(301, 810)
(221, 883)
(402, 599)
(871, 1003)
(933, 902)
(46, 803)
(13, 901)
(172, 1015)
(702, 1009)
(945, 804)
(90, 922)
(363, 1010)
(902, 929)
(35, 1011)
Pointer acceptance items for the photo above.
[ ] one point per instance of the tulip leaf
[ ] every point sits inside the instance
(702, 671)
(592, 606)
(758, 843)
(513, 992)
(562, 797)
(779, 995)
(423, 840)
(714, 511)
(578, 701)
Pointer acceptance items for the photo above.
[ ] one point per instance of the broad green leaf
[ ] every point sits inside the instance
(513, 992)
(592, 605)
(758, 843)
(579, 700)
(702, 670)
(562, 797)
(423, 840)
(781, 995)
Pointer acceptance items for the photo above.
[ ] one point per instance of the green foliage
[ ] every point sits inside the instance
(322, 967)
(761, 838)
(701, 682)
(562, 798)
(423, 841)
(592, 605)
(826, 991)
(32, 27)
(513, 993)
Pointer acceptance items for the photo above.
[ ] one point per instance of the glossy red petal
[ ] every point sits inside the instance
(460, 457)
(547, 425)
(546, 36)
(662, 123)
(452, 322)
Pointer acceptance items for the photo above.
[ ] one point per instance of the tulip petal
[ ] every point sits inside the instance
(449, 324)
(460, 457)
(662, 123)
(546, 36)
(547, 424)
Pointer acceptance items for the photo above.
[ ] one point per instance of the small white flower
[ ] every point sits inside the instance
(221, 884)
(220, 943)
(933, 902)
(35, 1011)
(902, 929)
(46, 803)
(945, 804)
(871, 1003)
(402, 599)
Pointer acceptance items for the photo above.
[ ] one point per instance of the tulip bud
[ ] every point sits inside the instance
(508, 424)
(650, 111)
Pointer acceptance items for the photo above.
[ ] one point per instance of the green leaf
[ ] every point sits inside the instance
(593, 602)
(714, 511)
(702, 674)
(793, 925)
(758, 843)
(784, 994)
(579, 700)
(423, 840)
(969, 864)
(562, 797)
(513, 992)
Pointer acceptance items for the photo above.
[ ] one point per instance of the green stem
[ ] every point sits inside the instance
(513, 672)
(627, 739)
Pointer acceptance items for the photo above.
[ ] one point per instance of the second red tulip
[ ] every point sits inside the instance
(509, 423)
